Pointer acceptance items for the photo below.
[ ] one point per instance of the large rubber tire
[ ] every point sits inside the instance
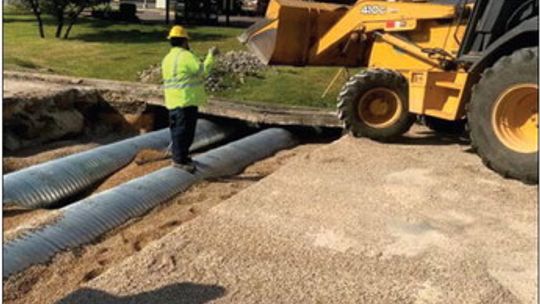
(518, 68)
(445, 126)
(360, 84)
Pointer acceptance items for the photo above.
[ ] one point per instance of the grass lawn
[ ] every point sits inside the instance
(118, 51)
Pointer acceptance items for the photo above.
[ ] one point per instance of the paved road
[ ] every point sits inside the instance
(352, 222)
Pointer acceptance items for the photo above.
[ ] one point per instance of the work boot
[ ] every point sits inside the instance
(188, 166)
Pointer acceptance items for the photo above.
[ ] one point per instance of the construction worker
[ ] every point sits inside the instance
(183, 83)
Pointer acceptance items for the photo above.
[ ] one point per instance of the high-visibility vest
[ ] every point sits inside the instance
(183, 78)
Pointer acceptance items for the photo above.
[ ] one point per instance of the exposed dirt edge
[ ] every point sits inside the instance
(132, 92)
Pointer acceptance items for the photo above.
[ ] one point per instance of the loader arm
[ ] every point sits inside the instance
(370, 16)
(302, 33)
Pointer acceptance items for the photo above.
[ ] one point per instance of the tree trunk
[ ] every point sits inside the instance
(37, 12)
(68, 29)
(40, 25)
(72, 21)
(60, 20)
(59, 29)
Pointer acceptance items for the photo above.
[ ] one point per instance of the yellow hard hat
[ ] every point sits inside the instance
(178, 31)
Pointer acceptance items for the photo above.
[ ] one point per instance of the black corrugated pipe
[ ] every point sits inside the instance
(85, 220)
(45, 184)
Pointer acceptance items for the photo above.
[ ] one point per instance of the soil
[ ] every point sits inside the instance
(14, 217)
(132, 94)
(419, 221)
(15, 163)
(145, 162)
(69, 270)
(28, 222)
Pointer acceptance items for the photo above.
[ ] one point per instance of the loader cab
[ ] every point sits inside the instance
(497, 28)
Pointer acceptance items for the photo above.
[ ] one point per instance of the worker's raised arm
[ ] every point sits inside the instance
(209, 61)
(193, 67)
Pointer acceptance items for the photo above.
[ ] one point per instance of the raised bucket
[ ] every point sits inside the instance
(291, 31)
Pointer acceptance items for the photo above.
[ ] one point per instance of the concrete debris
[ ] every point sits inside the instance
(231, 70)
(151, 75)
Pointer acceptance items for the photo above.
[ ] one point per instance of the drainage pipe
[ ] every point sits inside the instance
(45, 184)
(85, 220)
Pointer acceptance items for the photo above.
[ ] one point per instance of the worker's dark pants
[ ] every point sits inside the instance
(182, 124)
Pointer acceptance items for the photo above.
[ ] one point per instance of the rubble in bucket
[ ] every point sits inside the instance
(230, 70)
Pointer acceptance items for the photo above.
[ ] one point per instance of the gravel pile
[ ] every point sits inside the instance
(151, 75)
(231, 70)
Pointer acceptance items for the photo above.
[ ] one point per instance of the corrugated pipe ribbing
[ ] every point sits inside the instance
(85, 220)
(45, 184)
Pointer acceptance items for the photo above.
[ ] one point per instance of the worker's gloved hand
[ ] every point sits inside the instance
(214, 51)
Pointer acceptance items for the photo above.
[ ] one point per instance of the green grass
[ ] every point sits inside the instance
(118, 51)
(290, 86)
(97, 48)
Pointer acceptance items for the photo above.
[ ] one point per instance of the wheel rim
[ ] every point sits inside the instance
(379, 108)
(515, 118)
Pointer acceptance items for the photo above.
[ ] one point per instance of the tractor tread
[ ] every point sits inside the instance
(360, 83)
(494, 154)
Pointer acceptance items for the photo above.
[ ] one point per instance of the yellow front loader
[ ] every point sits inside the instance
(449, 62)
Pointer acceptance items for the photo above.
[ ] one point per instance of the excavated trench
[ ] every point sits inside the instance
(51, 252)
(38, 128)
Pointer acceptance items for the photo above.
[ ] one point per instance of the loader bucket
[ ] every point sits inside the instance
(291, 29)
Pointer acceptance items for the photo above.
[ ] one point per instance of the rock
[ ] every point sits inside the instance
(11, 143)
(62, 123)
(76, 81)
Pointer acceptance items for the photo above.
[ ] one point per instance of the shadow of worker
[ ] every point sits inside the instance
(182, 293)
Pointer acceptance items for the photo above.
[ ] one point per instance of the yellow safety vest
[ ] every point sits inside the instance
(183, 78)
